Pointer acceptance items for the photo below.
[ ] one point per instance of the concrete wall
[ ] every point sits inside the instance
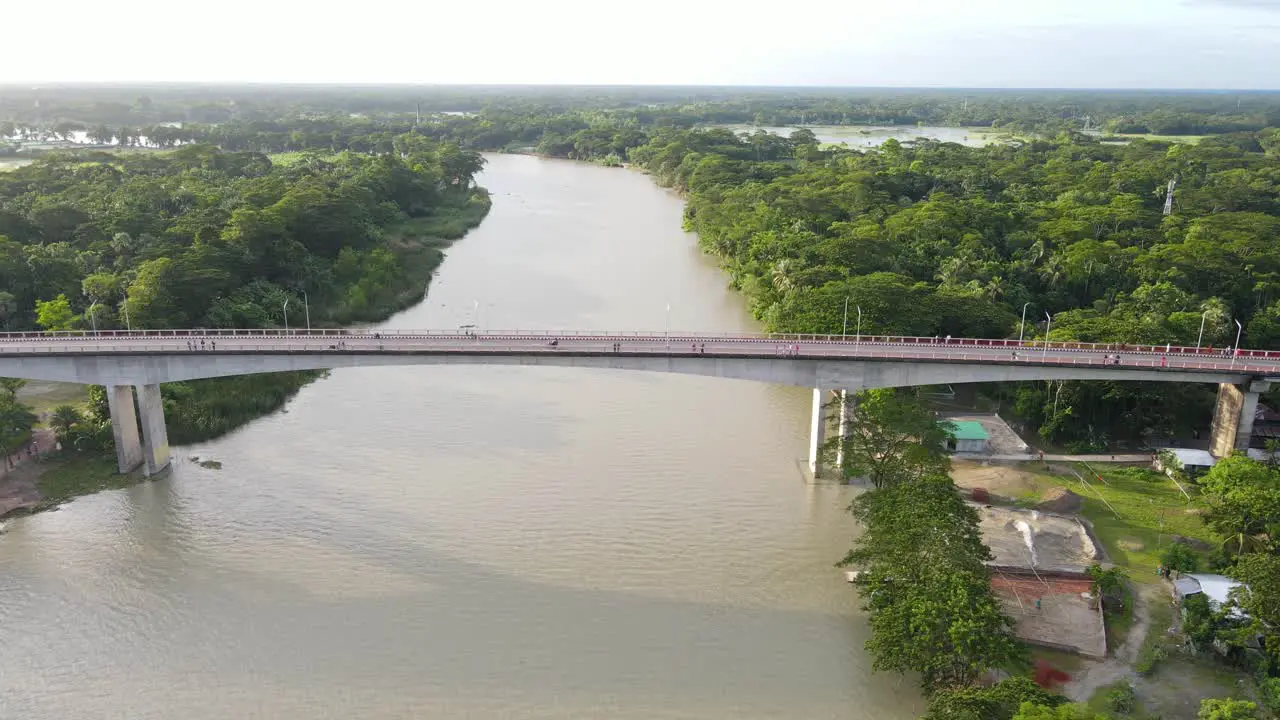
(810, 373)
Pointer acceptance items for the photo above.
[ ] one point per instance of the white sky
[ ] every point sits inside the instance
(973, 43)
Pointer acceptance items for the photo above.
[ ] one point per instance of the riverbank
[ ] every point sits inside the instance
(45, 482)
(204, 410)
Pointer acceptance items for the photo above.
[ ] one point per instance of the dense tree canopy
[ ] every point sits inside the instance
(932, 239)
(205, 237)
(922, 574)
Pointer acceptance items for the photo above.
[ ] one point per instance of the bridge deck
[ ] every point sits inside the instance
(811, 347)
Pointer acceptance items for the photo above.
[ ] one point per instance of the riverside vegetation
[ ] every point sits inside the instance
(924, 582)
(1055, 221)
(204, 237)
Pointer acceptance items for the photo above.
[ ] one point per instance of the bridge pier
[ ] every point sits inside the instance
(847, 405)
(124, 426)
(818, 426)
(155, 437)
(1233, 416)
(817, 431)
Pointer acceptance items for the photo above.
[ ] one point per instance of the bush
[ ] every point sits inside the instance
(1149, 657)
(1122, 699)
(1179, 557)
(1270, 690)
(1228, 709)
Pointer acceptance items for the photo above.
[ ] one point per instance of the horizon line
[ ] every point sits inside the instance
(316, 84)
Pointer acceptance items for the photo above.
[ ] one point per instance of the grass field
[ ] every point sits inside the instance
(69, 476)
(43, 397)
(1189, 139)
(1135, 512)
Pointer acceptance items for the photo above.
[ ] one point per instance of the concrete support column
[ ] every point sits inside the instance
(1233, 417)
(155, 437)
(817, 429)
(124, 426)
(847, 404)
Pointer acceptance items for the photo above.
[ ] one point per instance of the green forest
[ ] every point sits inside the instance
(1050, 221)
(202, 237)
(940, 239)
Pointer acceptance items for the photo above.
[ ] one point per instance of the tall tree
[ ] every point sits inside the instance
(922, 575)
(16, 421)
(55, 314)
(1244, 502)
(892, 438)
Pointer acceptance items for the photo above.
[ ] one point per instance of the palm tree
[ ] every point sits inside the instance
(782, 282)
(64, 418)
(995, 287)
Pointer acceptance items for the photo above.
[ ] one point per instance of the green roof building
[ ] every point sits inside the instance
(970, 437)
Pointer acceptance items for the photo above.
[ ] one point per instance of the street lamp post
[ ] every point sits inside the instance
(125, 307)
(1201, 335)
(286, 316)
(1234, 353)
(1047, 328)
(1022, 326)
(858, 338)
(667, 331)
(844, 329)
(306, 305)
(93, 317)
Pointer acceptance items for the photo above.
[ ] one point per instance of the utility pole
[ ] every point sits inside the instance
(1047, 328)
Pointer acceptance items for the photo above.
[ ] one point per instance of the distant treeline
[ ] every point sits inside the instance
(1165, 112)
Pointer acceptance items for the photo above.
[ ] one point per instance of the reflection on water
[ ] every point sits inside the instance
(472, 542)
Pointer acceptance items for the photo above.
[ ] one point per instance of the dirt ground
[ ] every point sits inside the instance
(1052, 611)
(1002, 441)
(1056, 542)
(1003, 480)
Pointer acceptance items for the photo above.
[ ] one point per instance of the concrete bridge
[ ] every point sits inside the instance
(143, 360)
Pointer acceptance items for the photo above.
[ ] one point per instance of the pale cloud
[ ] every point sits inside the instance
(1045, 43)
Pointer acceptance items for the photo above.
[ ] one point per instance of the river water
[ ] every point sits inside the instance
(475, 542)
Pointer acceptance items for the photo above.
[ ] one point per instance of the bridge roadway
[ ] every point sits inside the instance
(143, 360)
(1119, 359)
